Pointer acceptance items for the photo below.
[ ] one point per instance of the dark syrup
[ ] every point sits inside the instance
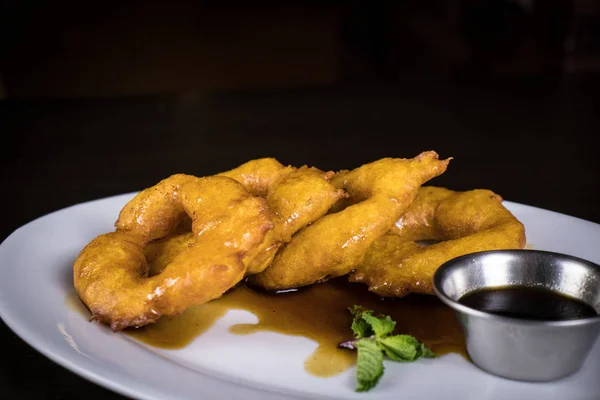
(318, 312)
(528, 303)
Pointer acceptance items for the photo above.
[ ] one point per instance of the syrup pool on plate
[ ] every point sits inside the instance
(318, 312)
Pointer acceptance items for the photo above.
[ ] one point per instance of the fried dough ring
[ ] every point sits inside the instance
(333, 245)
(465, 222)
(298, 199)
(111, 273)
(295, 196)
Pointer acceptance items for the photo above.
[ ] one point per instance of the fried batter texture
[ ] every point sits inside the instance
(465, 222)
(298, 199)
(111, 273)
(295, 196)
(187, 240)
(259, 176)
(336, 243)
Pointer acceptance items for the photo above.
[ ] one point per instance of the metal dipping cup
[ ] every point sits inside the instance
(521, 349)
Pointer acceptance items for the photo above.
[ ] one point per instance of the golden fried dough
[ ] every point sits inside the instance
(334, 244)
(260, 175)
(188, 240)
(465, 222)
(111, 273)
(295, 196)
(298, 199)
(161, 252)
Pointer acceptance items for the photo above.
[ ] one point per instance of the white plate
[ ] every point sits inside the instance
(36, 276)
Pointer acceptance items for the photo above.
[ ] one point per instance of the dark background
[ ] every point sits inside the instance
(66, 48)
(108, 98)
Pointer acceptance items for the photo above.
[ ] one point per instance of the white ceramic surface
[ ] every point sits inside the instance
(36, 278)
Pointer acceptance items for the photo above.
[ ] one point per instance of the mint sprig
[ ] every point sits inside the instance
(373, 339)
(369, 365)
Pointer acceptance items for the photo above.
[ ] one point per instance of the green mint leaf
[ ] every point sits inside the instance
(358, 310)
(382, 327)
(360, 327)
(403, 348)
(425, 352)
(369, 365)
(365, 324)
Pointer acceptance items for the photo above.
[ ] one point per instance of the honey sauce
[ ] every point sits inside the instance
(318, 312)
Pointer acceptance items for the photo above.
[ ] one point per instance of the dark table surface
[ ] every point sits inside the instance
(531, 145)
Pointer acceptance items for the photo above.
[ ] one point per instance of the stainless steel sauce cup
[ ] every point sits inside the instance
(523, 349)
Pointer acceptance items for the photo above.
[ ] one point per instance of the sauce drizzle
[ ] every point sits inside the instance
(318, 312)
